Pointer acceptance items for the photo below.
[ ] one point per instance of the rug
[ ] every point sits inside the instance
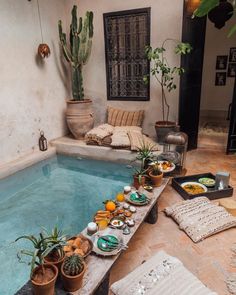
(231, 280)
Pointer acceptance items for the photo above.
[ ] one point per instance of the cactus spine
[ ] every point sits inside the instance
(81, 34)
(73, 265)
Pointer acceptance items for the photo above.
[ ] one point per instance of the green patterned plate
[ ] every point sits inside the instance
(107, 243)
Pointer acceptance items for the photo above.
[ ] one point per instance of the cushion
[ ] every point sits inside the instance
(117, 117)
(160, 275)
(120, 138)
(137, 140)
(97, 134)
(200, 218)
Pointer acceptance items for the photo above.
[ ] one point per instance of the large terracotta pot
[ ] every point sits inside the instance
(156, 179)
(72, 283)
(47, 288)
(79, 117)
(163, 128)
(138, 183)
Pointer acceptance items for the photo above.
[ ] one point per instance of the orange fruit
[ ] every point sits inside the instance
(120, 197)
(110, 206)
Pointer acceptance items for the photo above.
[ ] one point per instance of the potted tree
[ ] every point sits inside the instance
(165, 75)
(79, 113)
(43, 276)
(156, 175)
(56, 241)
(72, 272)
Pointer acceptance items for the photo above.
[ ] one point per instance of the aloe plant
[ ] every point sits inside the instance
(77, 54)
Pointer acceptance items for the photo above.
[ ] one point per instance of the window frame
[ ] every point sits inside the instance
(146, 10)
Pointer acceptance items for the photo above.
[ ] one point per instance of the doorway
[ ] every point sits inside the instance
(206, 112)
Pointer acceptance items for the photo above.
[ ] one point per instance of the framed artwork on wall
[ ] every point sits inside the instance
(232, 70)
(221, 62)
(232, 54)
(220, 79)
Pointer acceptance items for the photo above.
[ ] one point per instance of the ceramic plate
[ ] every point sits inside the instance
(169, 169)
(117, 222)
(138, 200)
(194, 184)
(100, 245)
(208, 182)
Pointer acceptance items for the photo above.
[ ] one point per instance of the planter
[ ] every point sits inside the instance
(156, 179)
(163, 128)
(72, 283)
(44, 284)
(79, 117)
(55, 260)
(136, 183)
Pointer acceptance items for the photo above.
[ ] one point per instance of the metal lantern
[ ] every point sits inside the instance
(176, 144)
(43, 145)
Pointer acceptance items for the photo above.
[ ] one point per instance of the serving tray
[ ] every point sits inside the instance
(211, 194)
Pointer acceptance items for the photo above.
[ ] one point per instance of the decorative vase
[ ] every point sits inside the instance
(156, 179)
(163, 128)
(72, 283)
(47, 288)
(79, 117)
(138, 183)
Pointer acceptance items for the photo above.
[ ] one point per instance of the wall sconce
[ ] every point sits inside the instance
(192, 5)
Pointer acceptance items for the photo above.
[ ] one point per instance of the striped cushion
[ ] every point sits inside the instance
(118, 117)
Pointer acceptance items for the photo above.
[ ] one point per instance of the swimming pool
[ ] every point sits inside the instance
(61, 190)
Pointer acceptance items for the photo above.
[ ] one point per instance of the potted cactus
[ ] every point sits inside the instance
(79, 113)
(72, 272)
(43, 276)
(156, 175)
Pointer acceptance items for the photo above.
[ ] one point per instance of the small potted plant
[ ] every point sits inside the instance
(56, 241)
(145, 153)
(72, 272)
(156, 175)
(43, 276)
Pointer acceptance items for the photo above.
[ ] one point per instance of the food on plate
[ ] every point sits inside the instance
(117, 223)
(166, 165)
(193, 189)
(207, 181)
(128, 214)
(78, 245)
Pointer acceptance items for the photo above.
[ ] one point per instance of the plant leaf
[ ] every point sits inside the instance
(205, 7)
(232, 31)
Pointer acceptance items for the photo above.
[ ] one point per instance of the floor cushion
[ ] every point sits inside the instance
(118, 117)
(160, 275)
(200, 218)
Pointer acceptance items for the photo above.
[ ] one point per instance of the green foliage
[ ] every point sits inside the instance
(155, 169)
(145, 152)
(78, 53)
(43, 245)
(205, 7)
(73, 265)
(163, 72)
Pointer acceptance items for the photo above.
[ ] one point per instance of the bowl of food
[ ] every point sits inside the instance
(166, 166)
(194, 188)
(208, 182)
(78, 245)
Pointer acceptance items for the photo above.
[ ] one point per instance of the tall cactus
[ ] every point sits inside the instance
(81, 34)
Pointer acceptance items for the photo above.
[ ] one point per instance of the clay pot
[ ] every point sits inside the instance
(55, 261)
(72, 283)
(47, 288)
(79, 117)
(163, 128)
(136, 183)
(156, 179)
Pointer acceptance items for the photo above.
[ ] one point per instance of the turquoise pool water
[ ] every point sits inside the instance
(62, 190)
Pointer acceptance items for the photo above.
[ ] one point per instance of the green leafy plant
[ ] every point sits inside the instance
(206, 6)
(155, 170)
(77, 54)
(73, 265)
(145, 153)
(163, 72)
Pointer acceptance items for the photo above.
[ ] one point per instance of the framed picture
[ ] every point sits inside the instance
(221, 62)
(232, 70)
(220, 79)
(232, 54)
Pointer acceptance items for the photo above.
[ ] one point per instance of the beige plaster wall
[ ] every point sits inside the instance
(166, 22)
(32, 93)
(216, 98)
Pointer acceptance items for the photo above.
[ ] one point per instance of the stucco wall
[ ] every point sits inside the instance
(166, 22)
(32, 93)
(216, 98)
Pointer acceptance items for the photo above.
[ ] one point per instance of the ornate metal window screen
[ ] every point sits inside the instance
(126, 35)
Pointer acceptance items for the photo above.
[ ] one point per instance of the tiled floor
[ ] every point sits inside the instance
(210, 259)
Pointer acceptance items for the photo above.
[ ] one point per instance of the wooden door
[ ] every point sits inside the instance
(231, 146)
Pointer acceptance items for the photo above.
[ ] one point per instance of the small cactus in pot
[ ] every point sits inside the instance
(72, 272)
